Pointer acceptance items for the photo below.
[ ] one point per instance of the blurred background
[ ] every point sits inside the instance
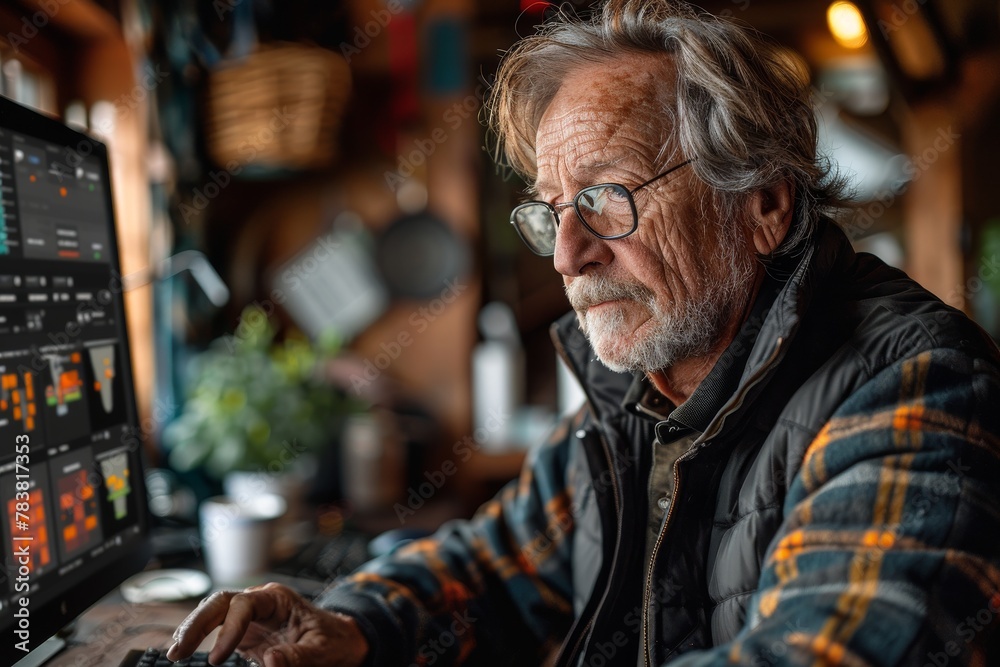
(323, 284)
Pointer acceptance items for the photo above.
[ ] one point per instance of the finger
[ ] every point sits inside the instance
(198, 624)
(257, 636)
(252, 605)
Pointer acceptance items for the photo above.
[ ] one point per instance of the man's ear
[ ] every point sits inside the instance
(770, 212)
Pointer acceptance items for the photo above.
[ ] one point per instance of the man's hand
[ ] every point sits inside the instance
(274, 625)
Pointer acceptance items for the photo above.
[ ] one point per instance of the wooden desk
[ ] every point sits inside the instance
(106, 632)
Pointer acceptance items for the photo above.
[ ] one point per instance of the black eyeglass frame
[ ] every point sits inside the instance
(576, 207)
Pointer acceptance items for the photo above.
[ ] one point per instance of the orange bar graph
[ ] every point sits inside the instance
(20, 401)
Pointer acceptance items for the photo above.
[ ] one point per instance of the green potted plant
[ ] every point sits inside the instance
(257, 410)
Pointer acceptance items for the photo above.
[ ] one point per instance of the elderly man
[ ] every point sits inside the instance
(789, 453)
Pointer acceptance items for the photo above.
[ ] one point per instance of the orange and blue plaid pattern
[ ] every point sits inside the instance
(501, 582)
(889, 552)
(890, 549)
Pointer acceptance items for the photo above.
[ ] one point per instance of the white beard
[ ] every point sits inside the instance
(675, 331)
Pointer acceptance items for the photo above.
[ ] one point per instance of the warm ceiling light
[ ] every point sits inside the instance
(847, 25)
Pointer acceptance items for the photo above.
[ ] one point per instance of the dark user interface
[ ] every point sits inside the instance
(67, 493)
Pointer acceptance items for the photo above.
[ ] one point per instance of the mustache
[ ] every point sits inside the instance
(585, 292)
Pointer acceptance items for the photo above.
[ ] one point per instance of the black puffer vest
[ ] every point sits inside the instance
(839, 320)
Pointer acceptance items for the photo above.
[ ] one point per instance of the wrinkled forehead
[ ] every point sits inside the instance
(609, 108)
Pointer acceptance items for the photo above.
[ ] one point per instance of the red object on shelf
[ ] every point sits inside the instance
(404, 65)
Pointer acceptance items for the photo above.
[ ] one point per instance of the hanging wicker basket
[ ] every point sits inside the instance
(280, 107)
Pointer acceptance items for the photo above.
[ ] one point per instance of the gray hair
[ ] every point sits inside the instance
(741, 107)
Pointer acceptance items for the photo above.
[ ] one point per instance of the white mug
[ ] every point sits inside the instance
(236, 537)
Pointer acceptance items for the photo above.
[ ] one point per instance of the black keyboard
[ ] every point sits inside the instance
(154, 657)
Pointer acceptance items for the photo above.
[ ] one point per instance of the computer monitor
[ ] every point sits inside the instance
(72, 498)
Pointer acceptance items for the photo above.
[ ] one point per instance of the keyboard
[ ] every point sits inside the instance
(154, 657)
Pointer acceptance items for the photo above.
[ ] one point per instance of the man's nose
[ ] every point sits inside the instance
(577, 250)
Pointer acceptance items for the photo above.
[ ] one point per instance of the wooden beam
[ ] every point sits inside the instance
(933, 204)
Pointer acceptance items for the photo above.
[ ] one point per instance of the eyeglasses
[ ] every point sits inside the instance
(606, 210)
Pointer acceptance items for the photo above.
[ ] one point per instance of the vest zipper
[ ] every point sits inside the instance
(564, 655)
(713, 428)
(647, 650)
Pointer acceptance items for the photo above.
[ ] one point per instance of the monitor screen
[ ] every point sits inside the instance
(72, 499)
